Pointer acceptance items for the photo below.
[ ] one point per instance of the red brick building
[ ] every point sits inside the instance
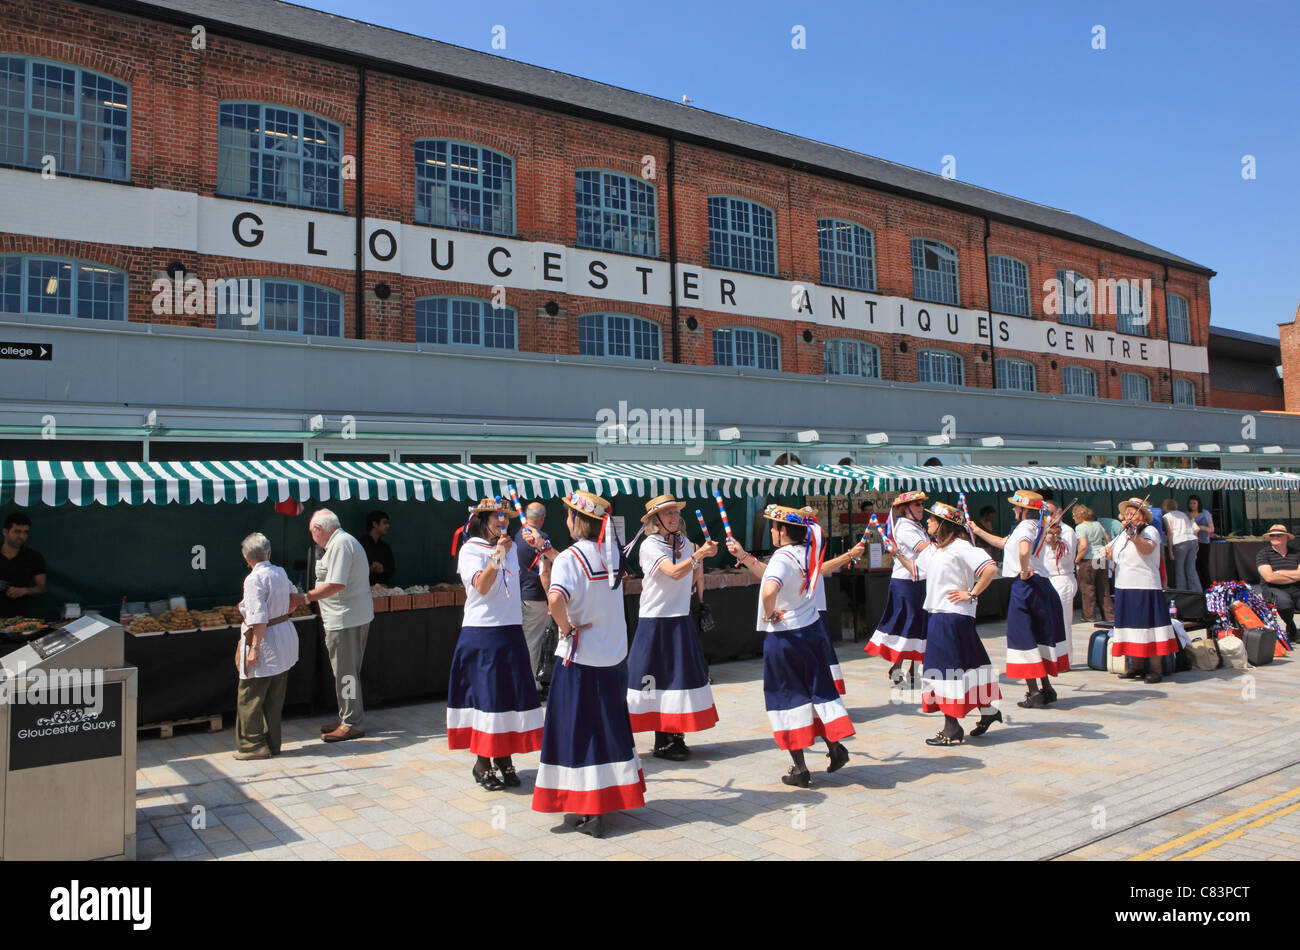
(355, 115)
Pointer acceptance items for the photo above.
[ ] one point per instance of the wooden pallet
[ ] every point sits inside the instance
(165, 729)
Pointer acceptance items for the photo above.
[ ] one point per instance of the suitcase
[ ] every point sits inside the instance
(1259, 645)
(1115, 662)
(1099, 650)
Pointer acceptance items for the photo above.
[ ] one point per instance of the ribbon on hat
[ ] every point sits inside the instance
(460, 534)
(813, 553)
(965, 514)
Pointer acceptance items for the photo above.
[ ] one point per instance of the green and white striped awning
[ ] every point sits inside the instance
(185, 483)
(954, 478)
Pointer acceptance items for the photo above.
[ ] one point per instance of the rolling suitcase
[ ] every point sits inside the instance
(1099, 650)
(1259, 645)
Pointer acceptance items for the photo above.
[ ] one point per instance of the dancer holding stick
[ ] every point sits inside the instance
(667, 679)
(900, 634)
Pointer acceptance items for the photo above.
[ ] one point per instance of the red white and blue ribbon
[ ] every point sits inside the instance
(1219, 600)
(965, 513)
(813, 552)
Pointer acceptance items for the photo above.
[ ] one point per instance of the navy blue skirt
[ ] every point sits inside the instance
(1142, 627)
(958, 675)
(492, 705)
(589, 763)
(900, 635)
(832, 658)
(799, 689)
(668, 680)
(1035, 630)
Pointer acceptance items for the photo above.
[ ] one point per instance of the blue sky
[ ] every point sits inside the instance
(1146, 136)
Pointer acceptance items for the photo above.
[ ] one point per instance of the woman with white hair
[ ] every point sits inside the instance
(267, 650)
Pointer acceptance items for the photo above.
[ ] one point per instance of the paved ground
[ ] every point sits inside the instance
(1201, 765)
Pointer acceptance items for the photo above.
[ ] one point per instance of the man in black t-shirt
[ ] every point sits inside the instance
(1279, 569)
(378, 553)
(22, 570)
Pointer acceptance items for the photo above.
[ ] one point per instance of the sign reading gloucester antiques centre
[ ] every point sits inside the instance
(111, 214)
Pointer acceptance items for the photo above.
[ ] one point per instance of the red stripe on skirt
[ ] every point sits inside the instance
(892, 655)
(675, 722)
(974, 699)
(1027, 671)
(1142, 650)
(598, 801)
(495, 745)
(805, 736)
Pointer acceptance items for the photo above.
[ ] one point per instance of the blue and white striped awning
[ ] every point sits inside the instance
(185, 483)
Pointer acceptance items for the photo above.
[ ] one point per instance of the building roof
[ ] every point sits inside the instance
(313, 32)
(1245, 346)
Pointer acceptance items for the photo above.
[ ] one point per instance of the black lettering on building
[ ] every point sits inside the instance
(551, 261)
(433, 254)
(256, 232)
(923, 320)
(954, 324)
(727, 288)
(1051, 337)
(645, 273)
(837, 307)
(1004, 332)
(597, 269)
(311, 240)
(690, 283)
(492, 261)
(374, 245)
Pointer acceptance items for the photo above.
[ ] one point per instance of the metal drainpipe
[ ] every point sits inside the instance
(672, 249)
(359, 290)
(988, 293)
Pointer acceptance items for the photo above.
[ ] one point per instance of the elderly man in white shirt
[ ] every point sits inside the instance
(267, 650)
(346, 609)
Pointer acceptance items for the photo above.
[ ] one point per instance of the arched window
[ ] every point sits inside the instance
(61, 287)
(616, 213)
(1008, 286)
(1184, 393)
(1131, 314)
(619, 336)
(461, 321)
(1015, 374)
(280, 155)
(852, 358)
(934, 272)
(1076, 298)
(1077, 381)
(941, 367)
(742, 235)
(465, 186)
(1180, 327)
(848, 256)
(80, 118)
(289, 306)
(743, 346)
(1135, 387)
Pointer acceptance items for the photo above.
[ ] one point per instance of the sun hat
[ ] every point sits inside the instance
(660, 503)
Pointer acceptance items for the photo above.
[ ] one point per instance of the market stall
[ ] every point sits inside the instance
(103, 533)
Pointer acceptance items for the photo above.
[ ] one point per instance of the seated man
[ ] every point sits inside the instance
(1279, 569)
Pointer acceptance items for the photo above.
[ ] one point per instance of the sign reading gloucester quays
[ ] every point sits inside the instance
(106, 213)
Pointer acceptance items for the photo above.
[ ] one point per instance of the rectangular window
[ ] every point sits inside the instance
(1180, 327)
(1076, 298)
(1077, 381)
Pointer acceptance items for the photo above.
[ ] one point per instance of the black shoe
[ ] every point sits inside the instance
(508, 773)
(488, 779)
(1049, 694)
(944, 739)
(797, 779)
(674, 750)
(1033, 701)
(985, 722)
(838, 756)
(593, 825)
(897, 678)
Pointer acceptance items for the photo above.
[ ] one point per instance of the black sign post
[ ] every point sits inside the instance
(40, 352)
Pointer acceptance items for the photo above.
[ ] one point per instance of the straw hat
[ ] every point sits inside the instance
(793, 516)
(908, 497)
(947, 513)
(1278, 529)
(585, 503)
(1027, 499)
(497, 505)
(1137, 503)
(809, 512)
(660, 503)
